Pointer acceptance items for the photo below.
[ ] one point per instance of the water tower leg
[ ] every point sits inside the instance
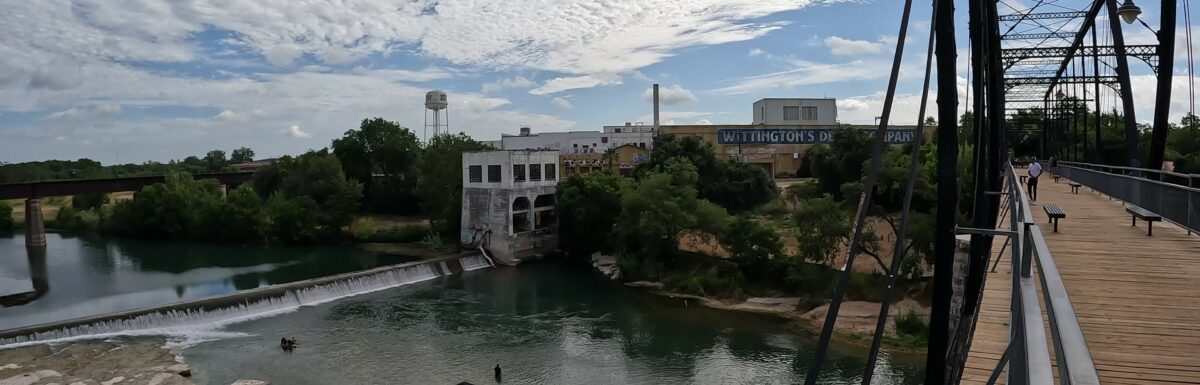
(35, 226)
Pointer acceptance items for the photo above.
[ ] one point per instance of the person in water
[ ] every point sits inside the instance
(497, 370)
(285, 344)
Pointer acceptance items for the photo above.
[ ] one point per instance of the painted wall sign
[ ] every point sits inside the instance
(797, 135)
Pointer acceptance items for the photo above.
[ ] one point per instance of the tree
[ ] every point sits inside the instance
(842, 161)
(215, 160)
(241, 155)
(588, 207)
(733, 185)
(752, 246)
(379, 146)
(440, 180)
(382, 147)
(318, 176)
(6, 219)
(88, 201)
(821, 224)
(655, 214)
(289, 220)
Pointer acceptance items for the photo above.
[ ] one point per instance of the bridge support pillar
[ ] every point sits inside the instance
(35, 226)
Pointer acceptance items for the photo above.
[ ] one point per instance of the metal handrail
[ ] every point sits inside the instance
(1129, 170)
(1176, 203)
(1030, 361)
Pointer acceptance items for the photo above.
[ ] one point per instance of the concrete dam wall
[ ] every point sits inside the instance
(217, 311)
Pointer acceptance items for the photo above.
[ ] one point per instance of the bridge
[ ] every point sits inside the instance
(32, 192)
(1095, 297)
(1120, 303)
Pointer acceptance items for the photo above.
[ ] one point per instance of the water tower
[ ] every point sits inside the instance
(435, 102)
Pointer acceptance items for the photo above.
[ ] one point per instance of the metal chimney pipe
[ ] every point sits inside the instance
(656, 107)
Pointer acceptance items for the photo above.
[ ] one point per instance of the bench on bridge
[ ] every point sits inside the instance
(1056, 178)
(1074, 187)
(1055, 213)
(1140, 213)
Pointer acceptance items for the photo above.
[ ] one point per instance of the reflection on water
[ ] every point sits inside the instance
(542, 323)
(77, 277)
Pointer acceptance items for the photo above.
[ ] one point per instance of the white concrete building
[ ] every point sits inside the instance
(581, 142)
(796, 112)
(508, 203)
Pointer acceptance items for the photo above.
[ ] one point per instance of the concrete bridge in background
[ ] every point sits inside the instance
(35, 229)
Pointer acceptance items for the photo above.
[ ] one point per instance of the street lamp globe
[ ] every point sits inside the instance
(1129, 11)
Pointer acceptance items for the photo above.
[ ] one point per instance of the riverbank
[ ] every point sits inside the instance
(133, 361)
(856, 319)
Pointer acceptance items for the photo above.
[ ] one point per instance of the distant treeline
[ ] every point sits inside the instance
(213, 161)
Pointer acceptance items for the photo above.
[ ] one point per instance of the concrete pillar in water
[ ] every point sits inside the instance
(224, 190)
(35, 226)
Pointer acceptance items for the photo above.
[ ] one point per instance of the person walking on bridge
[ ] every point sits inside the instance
(1035, 170)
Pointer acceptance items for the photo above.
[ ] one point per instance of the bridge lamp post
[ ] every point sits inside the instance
(1129, 11)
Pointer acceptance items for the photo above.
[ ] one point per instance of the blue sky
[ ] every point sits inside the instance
(136, 80)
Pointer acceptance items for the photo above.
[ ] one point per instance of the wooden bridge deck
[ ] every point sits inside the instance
(1137, 297)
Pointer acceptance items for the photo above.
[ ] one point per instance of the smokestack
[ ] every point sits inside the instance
(655, 107)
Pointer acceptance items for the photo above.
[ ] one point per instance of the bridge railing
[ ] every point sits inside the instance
(1174, 196)
(1028, 353)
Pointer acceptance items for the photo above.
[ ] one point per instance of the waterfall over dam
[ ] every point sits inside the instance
(214, 312)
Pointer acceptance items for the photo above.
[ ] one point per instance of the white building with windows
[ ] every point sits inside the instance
(508, 203)
(581, 142)
(795, 112)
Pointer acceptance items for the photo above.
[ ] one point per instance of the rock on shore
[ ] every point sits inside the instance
(134, 362)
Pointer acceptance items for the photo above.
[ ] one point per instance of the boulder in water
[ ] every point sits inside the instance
(249, 382)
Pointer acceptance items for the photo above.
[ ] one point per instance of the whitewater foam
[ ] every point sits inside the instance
(194, 325)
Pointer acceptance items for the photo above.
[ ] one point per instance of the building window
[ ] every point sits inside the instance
(810, 113)
(475, 174)
(617, 130)
(494, 173)
(518, 173)
(520, 215)
(535, 172)
(791, 113)
(604, 139)
(550, 171)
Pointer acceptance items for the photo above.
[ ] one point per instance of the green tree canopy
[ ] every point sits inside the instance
(656, 213)
(215, 161)
(241, 155)
(588, 207)
(733, 185)
(440, 181)
(379, 146)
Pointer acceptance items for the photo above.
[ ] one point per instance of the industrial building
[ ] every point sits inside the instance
(584, 151)
(782, 131)
(508, 203)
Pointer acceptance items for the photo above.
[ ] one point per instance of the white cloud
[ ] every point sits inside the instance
(705, 122)
(570, 83)
(806, 74)
(669, 95)
(561, 102)
(501, 84)
(669, 117)
(295, 132)
(756, 52)
(847, 47)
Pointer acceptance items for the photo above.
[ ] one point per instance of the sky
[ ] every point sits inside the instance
(129, 81)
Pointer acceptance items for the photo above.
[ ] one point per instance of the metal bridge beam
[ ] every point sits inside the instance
(1162, 101)
(1042, 16)
(1088, 22)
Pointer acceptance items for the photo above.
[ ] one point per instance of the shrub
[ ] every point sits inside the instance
(363, 228)
(912, 324)
(776, 208)
(433, 241)
(88, 201)
(866, 287)
(7, 224)
(290, 220)
(401, 234)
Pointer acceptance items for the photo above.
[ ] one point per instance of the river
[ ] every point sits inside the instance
(542, 323)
